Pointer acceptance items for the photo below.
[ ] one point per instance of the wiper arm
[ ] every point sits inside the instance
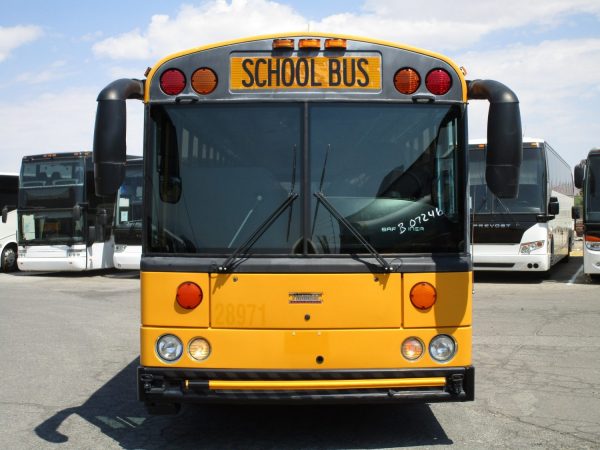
(227, 264)
(335, 213)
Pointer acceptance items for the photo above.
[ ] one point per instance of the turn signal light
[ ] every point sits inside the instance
(438, 81)
(407, 81)
(189, 295)
(335, 44)
(172, 81)
(283, 43)
(204, 80)
(423, 295)
(412, 348)
(309, 44)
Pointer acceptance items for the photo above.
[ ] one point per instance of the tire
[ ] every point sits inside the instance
(8, 259)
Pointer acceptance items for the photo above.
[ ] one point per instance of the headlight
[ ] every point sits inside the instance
(199, 349)
(119, 248)
(528, 247)
(592, 245)
(442, 348)
(74, 253)
(169, 347)
(412, 348)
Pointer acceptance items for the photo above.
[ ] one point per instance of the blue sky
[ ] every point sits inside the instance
(56, 56)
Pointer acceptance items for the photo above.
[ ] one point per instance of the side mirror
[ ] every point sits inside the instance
(576, 212)
(578, 176)
(504, 136)
(4, 214)
(109, 134)
(553, 207)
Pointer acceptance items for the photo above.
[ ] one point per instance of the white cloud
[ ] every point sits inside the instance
(61, 121)
(437, 24)
(13, 37)
(213, 21)
(557, 86)
(54, 71)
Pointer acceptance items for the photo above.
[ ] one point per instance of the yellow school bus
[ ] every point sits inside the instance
(306, 219)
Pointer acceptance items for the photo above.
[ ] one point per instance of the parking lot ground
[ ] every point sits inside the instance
(69, 346)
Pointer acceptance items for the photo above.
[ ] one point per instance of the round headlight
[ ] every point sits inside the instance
(199, 349)
(169, 347)
(442, 348)
(412, 348)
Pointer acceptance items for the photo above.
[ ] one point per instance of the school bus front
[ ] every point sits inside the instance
(305, 232)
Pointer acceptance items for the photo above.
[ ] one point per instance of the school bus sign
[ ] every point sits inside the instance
(256, 73)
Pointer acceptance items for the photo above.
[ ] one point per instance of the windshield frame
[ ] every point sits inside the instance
(305, 194)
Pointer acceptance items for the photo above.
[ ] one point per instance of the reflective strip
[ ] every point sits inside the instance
(325, 384)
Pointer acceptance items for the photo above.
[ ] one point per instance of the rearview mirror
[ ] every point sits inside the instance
(578, 176)
(4, 214)
(553, 207)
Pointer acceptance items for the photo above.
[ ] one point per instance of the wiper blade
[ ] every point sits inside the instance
(335, 213)
(243, 248)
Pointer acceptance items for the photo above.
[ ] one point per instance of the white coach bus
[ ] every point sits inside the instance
(533, 231)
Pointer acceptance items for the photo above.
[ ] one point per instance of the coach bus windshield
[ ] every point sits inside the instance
(394, 172)
(51, 183)
(592, 190)
(531, 184)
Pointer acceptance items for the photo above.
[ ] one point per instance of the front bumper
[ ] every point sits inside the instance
(160, 386)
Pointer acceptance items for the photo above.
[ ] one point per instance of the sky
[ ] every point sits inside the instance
(56, 56)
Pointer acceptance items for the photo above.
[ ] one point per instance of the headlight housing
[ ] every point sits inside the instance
(412, 348)
(169, 347)
(528, 247)
(442, 348)
(199, 349)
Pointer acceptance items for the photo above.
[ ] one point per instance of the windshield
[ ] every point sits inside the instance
(53, 183)
(531, 184)
(592, 190)
(129, 198)
(392, 171)
(53, 227)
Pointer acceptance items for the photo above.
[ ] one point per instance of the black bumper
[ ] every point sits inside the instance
(160, 386)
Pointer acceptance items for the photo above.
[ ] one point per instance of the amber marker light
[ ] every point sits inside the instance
(407, 81)
(309, 44)
(283, 43)
(423, 295)
(189, 295)
(335, 44)
(204, 80)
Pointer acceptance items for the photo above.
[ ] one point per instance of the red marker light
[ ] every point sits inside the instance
(189, 295)
(438, 81)
(172, 81)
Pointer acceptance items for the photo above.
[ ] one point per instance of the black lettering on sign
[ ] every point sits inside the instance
(302, 72)
(362, 64)
(313, 72)
(287, 72)
(274, 71)
(250, 81)
(349, 72)
(259, 62)
(335, 77)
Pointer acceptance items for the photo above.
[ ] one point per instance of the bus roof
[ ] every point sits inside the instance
(263, 43)
(46, 156)
(526, 140)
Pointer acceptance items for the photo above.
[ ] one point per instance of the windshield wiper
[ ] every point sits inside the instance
(335, 213)
(244, 247)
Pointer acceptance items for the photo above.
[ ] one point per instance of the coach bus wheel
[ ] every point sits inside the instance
(9, 259)
(161, 409)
